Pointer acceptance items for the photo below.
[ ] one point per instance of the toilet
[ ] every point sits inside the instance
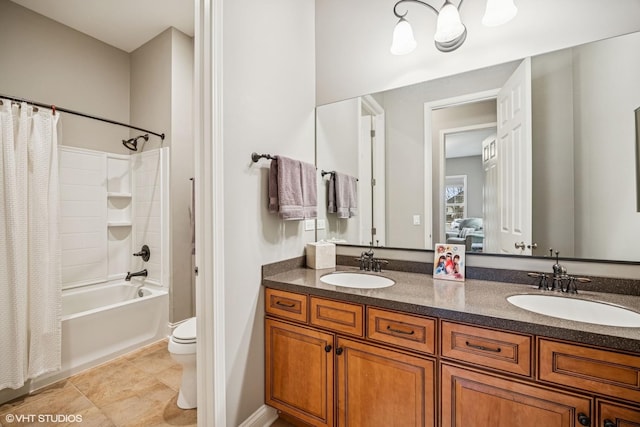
(182, 347)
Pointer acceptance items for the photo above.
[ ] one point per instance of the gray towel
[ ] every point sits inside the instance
(343, 195)
(292, 189)
(308, 177)
(273, 187)
(290, 199)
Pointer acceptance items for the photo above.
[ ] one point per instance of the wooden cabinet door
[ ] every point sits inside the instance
(378, 387)
(617, 415)
(299, 372)
(474, 399)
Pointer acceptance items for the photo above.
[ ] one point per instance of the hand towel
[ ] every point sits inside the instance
(331, 205)
(308, 177)
(273, 187)
(346, 196)
(290, 197)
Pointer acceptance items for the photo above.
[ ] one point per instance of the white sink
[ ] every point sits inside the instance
(356, 280)
(568, 308)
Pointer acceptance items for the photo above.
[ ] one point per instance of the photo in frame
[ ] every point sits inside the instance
(449, 262)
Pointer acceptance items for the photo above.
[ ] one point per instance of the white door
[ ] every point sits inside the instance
(514, 162)
(491, 212)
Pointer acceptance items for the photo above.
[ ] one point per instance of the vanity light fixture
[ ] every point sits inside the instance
(450, 31)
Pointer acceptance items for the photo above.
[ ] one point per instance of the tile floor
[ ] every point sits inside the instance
(136, 389)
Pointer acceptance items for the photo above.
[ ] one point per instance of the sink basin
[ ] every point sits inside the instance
(357, 280)
(599, 313)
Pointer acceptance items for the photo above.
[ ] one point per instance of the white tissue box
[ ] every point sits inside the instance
(321, 255)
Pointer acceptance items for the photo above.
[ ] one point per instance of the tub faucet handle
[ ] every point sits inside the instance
(145, 253)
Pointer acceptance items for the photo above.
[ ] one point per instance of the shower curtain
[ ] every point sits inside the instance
(30, 285)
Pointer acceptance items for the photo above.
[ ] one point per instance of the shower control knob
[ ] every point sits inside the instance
(145, 253)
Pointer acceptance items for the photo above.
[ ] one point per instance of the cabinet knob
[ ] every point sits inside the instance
(339, 351)
(583, 419)
(327, 348)
(609, 423)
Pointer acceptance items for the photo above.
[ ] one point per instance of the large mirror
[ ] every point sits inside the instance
(514, 159)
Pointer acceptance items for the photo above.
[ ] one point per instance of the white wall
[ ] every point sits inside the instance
(47, 62)
(268, 107)
(552, 150)
(608, 205)
(353, 40)
(161, 100)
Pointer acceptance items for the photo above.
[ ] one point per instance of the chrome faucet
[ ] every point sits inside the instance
(142, 273)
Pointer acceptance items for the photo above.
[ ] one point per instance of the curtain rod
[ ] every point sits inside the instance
(65, 110)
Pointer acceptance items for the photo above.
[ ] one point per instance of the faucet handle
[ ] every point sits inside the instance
(145, 253)
(542, 284)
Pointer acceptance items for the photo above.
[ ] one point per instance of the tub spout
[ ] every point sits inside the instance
(138, 273)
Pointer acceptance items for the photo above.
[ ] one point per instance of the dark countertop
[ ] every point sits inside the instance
(477, 302)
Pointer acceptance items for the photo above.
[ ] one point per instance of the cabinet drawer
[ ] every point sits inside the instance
(600, 371)
(288, 305)
(500, 350)
(337, 315)
(403, 330)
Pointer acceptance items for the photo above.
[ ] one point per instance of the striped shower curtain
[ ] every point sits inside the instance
(30, 286)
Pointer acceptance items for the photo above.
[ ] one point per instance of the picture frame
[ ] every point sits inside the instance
(449, 262)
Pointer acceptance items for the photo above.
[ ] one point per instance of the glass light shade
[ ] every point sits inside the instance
(403, 40)
(499, 12)
(449, 26)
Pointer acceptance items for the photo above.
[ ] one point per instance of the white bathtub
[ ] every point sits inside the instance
(102, 321)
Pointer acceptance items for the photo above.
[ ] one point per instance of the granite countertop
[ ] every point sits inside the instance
(477, 302)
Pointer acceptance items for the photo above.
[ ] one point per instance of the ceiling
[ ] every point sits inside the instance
(125, 24)
(466, 143)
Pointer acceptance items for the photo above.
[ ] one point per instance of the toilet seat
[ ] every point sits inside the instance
(185, 333)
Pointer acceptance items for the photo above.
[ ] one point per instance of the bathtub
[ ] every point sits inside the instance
(100, 322)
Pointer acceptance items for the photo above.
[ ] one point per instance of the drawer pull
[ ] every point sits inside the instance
(400, 331)
(609, 423)
(284, 304)
(483, 348)
(583, 419)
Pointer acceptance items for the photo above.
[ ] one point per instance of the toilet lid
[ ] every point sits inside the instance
(185, 332)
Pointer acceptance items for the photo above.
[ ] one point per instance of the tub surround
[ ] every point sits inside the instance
(480, 302)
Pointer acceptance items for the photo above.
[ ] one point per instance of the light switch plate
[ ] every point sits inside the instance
(320, 225)
(416, 220)
(309, 224)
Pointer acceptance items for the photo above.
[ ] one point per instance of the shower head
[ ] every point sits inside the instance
(132, 144)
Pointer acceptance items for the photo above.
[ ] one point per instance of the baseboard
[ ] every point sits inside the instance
(263, 417)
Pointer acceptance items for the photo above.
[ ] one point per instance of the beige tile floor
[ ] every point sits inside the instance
(137, 389)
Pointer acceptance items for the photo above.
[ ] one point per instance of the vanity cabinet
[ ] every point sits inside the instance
(617, 415)
(475, 399)
(379, 386)
(299, 366)
(310, 360)
(338, 363)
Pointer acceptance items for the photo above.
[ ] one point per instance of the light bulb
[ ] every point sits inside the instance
(403, 40)
(449, 26)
